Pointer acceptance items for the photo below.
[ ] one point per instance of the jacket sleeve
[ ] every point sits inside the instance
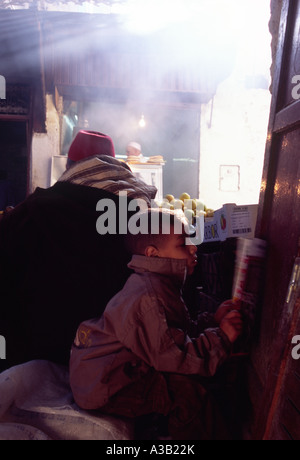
(170, 349)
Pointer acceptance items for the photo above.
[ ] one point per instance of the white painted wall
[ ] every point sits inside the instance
(44, 146)
(236, 137)
(238, 132)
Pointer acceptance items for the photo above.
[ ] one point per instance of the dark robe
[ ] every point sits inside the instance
(56, 270)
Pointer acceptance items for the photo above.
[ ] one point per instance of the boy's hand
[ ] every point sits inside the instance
(225, 308)
(232, 325)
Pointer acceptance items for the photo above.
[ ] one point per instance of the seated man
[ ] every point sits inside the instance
(134, 153)
(55, 268)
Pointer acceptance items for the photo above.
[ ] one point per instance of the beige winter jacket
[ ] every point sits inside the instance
(145, 325)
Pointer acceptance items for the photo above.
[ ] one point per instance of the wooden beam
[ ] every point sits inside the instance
(288, 118)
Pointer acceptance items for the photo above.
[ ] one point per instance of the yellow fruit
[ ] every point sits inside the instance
(169, 197)
(200, 206)
(165, 204)
(189, 214)
(184, 196)
(178, 204)
(209, 212)
(200, 213)
(188, 204)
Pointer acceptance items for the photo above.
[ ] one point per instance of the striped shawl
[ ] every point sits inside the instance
(108, 173)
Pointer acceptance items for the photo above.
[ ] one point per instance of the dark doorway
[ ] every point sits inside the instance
(13, 162)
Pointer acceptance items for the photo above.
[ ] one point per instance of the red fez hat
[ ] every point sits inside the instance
(89, 143)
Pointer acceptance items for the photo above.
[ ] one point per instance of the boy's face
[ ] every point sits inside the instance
(175, 247)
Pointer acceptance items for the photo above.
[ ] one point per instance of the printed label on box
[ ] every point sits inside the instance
(241, 221)
(231, 221)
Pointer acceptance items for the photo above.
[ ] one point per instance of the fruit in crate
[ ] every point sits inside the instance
(166, 204)
(169, 197)
(200, 204)
(184, 196)
(209, 212)
(189, 214)
(192, 207)
(177, 204)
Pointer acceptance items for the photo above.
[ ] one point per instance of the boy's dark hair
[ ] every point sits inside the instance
(156, 224)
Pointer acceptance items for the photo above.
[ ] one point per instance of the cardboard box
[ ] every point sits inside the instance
(231, 221)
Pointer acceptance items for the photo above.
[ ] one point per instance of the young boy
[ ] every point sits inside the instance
(144, 355)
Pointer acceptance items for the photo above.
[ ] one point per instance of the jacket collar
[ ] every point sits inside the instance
(174, 268)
